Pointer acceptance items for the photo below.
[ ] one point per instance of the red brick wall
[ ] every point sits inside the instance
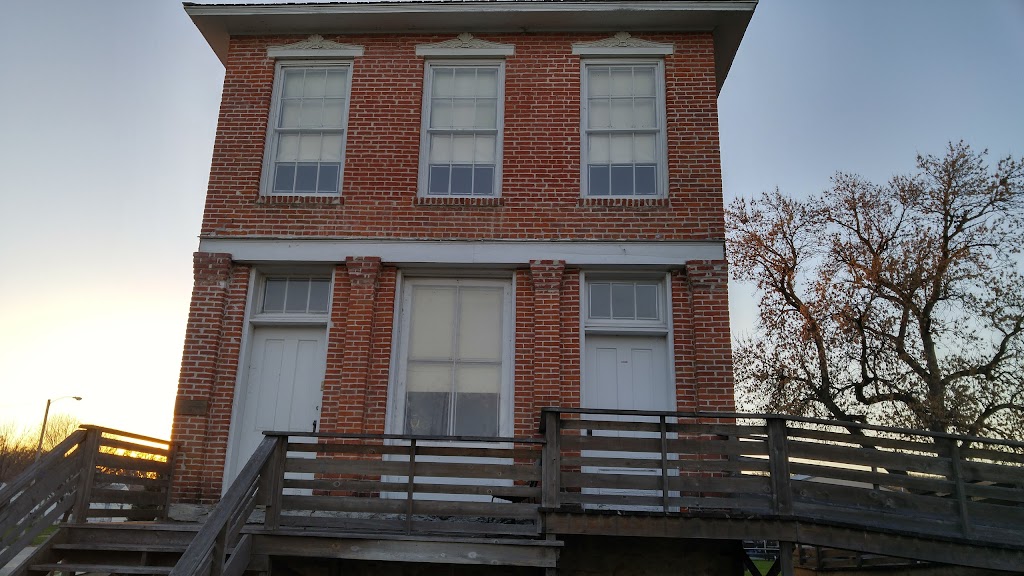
(541, 179)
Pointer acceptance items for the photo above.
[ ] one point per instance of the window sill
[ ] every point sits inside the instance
(458, 201)
(300, 201)
(629, 202)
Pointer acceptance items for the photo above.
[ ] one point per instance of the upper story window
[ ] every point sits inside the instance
(306, 143)
(623, 117)
(623, 129)
(296, 295)
(462, 125)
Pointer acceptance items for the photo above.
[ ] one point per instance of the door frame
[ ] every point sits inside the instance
(251, 319)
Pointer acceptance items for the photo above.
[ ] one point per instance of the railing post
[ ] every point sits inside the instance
(778, 466)
(90, 447)
(957, 471)
(664, 464)
(411, 486)
(273, 484)
(551, 467)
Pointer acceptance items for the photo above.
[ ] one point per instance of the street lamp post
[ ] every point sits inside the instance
(46, 416)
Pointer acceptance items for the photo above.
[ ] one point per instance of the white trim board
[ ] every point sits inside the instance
(449, 252)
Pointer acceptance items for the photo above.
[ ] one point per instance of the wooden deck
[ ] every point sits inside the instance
(878, 491)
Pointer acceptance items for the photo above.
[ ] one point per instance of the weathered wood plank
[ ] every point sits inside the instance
(140, 449)
(433, 469)
(398, 526)
(398, 506)
(867, 458)
(400, 485)
(114, 461)
(869, 478)
(985, 472)
(133, 497)
(523, 453)
(751, 485)
(923, 446)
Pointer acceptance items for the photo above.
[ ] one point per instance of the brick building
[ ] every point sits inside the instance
(439, 217)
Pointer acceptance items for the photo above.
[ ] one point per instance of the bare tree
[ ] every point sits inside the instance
(896, 304)
(16, 451)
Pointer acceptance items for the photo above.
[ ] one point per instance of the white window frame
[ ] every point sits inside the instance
(657, 326)
(259, 290)
(425, 130)
(400, 337)
(661, 140)
(273, 133)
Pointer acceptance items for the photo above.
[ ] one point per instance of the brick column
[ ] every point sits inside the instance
(712, 343)
(522, 380)
(359, 321)
(546, 276)
(212, 273)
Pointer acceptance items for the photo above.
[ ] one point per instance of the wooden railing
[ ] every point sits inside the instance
(768, 466)
(95, 474)
(404, 484)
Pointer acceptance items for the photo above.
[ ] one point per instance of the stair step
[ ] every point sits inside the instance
(101, 568)
(121, 547)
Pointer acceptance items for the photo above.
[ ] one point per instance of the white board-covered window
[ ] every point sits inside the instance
(455, 358)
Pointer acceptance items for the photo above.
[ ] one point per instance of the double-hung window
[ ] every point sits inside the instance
(461, 136)
(306, 140)
(623, 128)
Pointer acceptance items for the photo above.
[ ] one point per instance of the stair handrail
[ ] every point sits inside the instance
(21, 520)
(225, 522)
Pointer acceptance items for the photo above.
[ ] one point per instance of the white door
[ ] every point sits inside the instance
(626, 373)
(282, 390)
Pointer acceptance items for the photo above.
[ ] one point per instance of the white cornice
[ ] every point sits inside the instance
(622, 44)
(315, 47)
(465, 46)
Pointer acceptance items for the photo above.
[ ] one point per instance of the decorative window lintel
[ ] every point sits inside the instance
(465, 46)
(316, 46)
(622, 44)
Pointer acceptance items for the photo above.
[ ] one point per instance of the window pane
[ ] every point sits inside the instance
(643, 81)
(599, 114)
(309, 147)
(646, 179)
(305, 177)
(319, 294)
(483, 149)
(462, 179)
(486, 114)
(297, 295)
(334, 113)
(288, 148)
(623, 301)
(621, 149)
(284, 178)
(442, 83)
(476, 414)
(463, 112)
(483, 180)
(644, 148)
(314, 85)
(336, 80)
(645, 115)
(433, 314)
(599, 183)
(293, 83)
(599, 149)
(463, 148)
(438, 183)
(600, 300)
(330, 148)
(312, 115)
(328, 181)
(273, 294)
(465, 81)
(440, 113)
(290, 113)
(622, 180)
(647, 301)
(426, 413)
(599, 82)
(622, 113)
(440, 149)
(621, 81)
(480, 311)
(487, 82)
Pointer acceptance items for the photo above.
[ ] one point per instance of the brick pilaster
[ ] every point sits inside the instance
(708, 282)
(546, 276)
(359, 322)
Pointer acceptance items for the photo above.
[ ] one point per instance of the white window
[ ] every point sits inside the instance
(623, 129)
(461, 136)
(455, 348)
(624, 302)
(306, 140)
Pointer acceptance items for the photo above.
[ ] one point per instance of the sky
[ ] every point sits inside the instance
(108, 112)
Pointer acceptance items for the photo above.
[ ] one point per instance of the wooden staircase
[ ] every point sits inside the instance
(110, 548)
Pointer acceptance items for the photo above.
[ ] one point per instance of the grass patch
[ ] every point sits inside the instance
(44, 535)
(762, 565)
